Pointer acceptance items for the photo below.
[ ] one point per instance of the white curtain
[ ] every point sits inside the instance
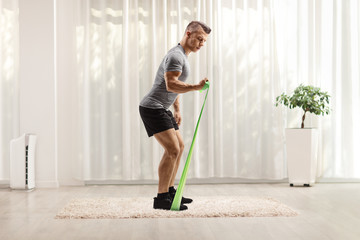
(9, 110)
(318, 42)
(257, 50)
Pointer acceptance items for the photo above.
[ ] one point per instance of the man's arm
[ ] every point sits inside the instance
(177, 104)
(177, 114)
(173, 84)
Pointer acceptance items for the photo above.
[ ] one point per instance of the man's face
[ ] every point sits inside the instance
(196, 40)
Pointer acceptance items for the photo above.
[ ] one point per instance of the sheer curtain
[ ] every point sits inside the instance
(318, 43)
(257, 50)
(9, 111)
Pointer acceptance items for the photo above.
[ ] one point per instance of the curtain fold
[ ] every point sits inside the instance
(256, 51)
(9, 61)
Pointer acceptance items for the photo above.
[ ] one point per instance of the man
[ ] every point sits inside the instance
(158, 119)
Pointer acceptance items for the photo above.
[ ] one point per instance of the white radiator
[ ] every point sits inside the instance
(22, 162)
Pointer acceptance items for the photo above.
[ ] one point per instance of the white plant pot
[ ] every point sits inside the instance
(301, 147)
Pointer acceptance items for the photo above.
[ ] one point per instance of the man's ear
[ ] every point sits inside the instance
(188, 33)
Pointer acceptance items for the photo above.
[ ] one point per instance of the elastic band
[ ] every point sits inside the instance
(179, 192)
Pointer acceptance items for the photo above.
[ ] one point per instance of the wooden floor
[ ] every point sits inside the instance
(327, 211)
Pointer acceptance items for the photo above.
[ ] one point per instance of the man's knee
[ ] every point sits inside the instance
(181, 146)
(173, 151)
(180, 141)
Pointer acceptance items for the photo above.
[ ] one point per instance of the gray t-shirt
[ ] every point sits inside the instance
(174, 61)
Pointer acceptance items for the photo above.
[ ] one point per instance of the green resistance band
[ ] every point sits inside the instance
(179, 192)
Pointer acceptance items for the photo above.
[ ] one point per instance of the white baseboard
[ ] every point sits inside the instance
(121, 182)
(76, 182)
(216, 181)
(38, 184)
(232, 181)
(188, 181)
(5, 183)
(338, 180)
(46, 184)
(71, 182)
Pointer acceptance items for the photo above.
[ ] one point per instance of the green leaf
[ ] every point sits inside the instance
(308, 98)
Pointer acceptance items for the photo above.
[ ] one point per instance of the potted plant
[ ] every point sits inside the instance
(301, 143)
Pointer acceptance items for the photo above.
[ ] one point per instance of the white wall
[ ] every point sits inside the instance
(37, 85)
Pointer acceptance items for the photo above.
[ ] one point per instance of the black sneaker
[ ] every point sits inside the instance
(184, 200)
(165, 204)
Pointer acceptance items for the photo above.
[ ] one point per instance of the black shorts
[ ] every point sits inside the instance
(157, 120)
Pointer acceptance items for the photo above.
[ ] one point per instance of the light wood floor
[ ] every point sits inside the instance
(327, 211)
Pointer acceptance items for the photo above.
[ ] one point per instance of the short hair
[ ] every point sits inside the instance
(193, 26)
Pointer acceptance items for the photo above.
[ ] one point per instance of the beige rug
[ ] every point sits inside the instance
(202, 207)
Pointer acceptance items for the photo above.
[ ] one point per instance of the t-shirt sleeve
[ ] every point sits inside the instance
(173, 63)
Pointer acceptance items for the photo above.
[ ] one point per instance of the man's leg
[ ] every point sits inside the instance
(169, 141)
(176, 167)
(172, 189)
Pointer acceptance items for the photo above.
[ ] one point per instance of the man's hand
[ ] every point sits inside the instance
(177, 117)
(202, 83)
